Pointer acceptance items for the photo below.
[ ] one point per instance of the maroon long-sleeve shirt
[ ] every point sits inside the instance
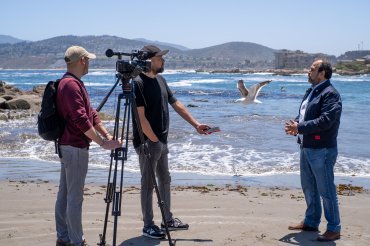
(74, 106)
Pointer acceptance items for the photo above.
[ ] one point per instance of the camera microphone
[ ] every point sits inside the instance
(110, 53)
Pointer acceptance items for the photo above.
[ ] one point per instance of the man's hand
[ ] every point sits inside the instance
(291, 127)
(108, 136)
(201, 129)
(111, 144)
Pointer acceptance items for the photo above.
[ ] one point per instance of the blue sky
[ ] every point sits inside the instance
(326, 26)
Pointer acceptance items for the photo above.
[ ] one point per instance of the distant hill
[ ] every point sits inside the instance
(236, 50)
(235, 54)
(177, 46)
(6, 39)
(49, 53)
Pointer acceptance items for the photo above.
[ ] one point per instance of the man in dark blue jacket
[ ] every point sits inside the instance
(317, 129)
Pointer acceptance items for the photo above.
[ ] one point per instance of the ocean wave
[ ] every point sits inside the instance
(299, 74)
(102, 73)
(205, 92)
(263, 73)
(190, 157)
(33, 74)
(226, 160)
(98, 84)
(190, 82)
(185, 71)
(351, 79)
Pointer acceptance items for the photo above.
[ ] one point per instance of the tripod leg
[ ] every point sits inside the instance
(116, 212)
(161, 205)
(120, 154)
(108, 200)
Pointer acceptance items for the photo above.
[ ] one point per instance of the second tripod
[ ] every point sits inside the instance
(119, 156)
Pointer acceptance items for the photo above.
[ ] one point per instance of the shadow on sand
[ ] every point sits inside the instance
(140, 241)
(304, 238)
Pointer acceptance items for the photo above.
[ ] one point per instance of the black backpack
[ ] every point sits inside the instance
(50, 124)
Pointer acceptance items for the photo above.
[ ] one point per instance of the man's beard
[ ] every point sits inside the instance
(310, 79)
(158, 70)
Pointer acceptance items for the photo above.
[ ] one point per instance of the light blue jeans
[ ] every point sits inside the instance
(317, 180)
(68, 206)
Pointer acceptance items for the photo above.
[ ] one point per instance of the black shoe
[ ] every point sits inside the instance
(153, 232)
(60, 242)
(174, 225)
(84, 243)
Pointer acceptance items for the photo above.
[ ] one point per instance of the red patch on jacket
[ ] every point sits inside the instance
(317, 137)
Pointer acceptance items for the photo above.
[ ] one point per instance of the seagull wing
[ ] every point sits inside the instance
(242, 88)
(255, 89)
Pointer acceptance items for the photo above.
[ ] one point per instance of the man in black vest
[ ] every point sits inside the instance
(317, 127)
(152, 98)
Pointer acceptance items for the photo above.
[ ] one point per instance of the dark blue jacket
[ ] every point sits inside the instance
(322, 117)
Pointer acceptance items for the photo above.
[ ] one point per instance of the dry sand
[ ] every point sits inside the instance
(217, 216)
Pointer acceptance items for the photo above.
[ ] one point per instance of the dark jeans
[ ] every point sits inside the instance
(159, 162)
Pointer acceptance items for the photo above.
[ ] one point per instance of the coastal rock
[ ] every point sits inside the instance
(3, 116)
(32, 102)
(15, 104)
(283, 72)
(8, 89)
(200, 100)
(39, 89)
(352, 73)
(8, 97)
(2, 101)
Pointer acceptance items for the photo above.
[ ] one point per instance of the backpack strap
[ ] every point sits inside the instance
(56, 142)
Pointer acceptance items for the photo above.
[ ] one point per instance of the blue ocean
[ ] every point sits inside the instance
(251, 143)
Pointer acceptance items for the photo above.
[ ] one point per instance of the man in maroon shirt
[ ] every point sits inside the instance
(82, 126)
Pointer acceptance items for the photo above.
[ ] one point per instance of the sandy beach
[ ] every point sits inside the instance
(218, 215)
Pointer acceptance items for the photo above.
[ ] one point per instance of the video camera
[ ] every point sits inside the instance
(131, 68)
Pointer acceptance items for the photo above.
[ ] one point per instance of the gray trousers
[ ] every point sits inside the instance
(68, 206)
(159, 162)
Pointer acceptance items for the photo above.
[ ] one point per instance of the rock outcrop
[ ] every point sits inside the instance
(15, 103)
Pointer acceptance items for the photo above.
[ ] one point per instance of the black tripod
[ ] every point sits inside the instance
(119, 155)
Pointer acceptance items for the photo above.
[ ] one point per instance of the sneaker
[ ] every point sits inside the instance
(153, 232)
(60, 242)
(174, 225)
(84, 243)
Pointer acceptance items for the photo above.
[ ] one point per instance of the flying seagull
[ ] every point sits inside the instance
(250, 95)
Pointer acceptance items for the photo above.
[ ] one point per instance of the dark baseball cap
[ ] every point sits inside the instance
(153, 51)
